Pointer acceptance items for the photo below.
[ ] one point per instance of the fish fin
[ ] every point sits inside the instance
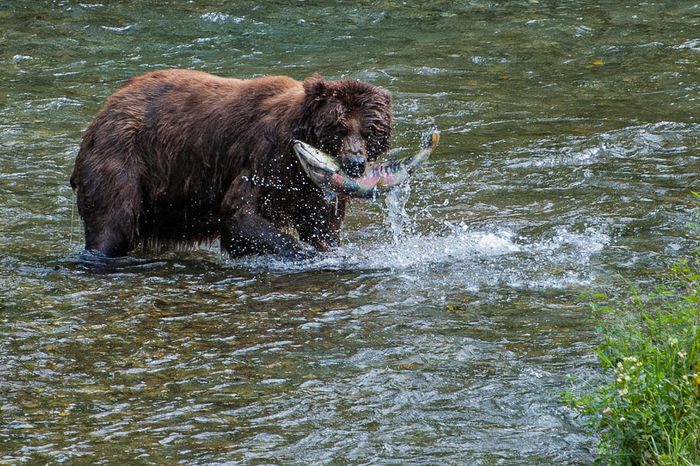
(331, 198)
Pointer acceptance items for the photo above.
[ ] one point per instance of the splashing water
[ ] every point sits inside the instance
(457, 254)
(397, 219)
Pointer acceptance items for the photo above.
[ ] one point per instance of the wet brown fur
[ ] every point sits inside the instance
(179, 157)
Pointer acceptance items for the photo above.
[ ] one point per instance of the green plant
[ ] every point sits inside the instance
(648, 412)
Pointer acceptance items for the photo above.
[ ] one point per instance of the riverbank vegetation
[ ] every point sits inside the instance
(648, 409)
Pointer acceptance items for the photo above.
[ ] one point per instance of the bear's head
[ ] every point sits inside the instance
(348, 119)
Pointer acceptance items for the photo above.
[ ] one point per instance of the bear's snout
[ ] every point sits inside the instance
(354, 155)
(354, 165)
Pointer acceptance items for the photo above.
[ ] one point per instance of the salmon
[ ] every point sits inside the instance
(326, 173)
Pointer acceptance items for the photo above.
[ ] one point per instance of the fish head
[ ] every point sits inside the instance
(310, 156)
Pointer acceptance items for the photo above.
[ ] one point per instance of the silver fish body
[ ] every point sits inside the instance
(326, 172)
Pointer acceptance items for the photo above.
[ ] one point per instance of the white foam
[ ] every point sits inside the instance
(469, 259)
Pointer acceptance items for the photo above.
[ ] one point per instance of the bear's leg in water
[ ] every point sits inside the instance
(245, 231)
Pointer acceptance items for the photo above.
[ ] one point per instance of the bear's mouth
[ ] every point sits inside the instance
(353, 166)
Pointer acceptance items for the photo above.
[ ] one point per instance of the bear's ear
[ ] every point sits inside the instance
(386, 95)
(317, 88)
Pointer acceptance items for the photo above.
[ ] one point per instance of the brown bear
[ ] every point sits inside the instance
(179, 157)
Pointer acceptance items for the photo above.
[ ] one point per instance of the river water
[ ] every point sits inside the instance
(443, 330)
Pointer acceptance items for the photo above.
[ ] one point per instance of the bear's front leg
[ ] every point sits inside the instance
(318, 222)
(245, 231)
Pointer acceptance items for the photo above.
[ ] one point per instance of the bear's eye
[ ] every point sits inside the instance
(331, 143)
(377, 142)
